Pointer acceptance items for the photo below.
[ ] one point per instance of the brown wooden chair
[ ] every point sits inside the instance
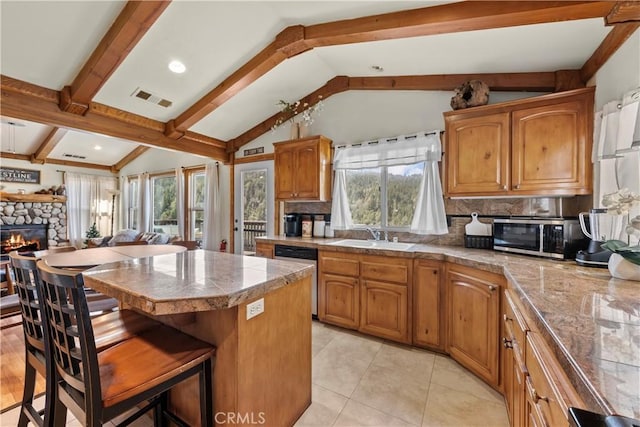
(97, 386)
(110, 329)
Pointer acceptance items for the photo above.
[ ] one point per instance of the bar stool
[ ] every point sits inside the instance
(110, 329)
(97, 386)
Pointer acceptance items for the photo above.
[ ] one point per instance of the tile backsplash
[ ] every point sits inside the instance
(461, 209)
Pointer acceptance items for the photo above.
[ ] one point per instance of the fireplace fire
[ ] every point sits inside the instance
(31, 237)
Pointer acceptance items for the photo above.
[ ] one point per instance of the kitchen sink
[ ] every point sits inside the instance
(372, 244)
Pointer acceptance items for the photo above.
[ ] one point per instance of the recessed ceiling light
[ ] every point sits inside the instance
(97, 147)
(377, 68)
(177, 67)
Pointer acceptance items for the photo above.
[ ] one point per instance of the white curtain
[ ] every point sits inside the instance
(180, 204)
(145, 206)
(124, 204)
(216, 213)
(340, 211)
(88, 202)
(429, 215)
(616, 149)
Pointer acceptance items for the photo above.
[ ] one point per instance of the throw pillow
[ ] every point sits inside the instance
(159, 239)
(124, 236)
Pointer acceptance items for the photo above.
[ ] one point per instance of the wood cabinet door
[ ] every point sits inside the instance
(551, 149)
(307, 171)
(264, 250)
(428, 305)
(474, 302)
(285, 173)
(339, 300)
(477, 155)
(384, 310)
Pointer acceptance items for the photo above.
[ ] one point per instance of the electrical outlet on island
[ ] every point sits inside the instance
(255, 308)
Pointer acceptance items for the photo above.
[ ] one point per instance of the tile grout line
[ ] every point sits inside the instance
(424, 410)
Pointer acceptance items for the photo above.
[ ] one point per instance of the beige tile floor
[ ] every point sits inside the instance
(363, 381)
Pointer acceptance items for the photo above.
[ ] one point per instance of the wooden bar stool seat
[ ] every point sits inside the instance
(97, 386)
(109, 329)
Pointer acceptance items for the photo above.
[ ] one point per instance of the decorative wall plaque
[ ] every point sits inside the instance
(27, 176)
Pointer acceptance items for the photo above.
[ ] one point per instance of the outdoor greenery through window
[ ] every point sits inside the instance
(133, 203)
(196, 205)
(385, 196)
(165, 216)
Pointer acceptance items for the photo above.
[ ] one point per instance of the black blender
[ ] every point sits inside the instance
(602, 227)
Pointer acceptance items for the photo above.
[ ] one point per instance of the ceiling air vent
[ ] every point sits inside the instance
(149, 97)
(74, 156)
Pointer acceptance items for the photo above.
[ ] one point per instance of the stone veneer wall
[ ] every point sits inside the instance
(543, 206)
(54, 214)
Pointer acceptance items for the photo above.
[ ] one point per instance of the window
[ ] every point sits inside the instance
(134, 200)
(385, 196)
(195, 219)
(165, 216)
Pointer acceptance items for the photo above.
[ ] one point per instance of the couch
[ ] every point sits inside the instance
(128, 236)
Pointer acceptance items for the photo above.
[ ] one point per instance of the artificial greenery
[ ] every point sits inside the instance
(630, 253)
(93, 232)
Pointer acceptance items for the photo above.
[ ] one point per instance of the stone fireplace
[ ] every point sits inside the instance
(44, 213)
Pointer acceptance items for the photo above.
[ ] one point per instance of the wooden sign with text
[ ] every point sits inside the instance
(27, 176)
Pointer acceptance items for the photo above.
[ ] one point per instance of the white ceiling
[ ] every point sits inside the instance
(47, 42)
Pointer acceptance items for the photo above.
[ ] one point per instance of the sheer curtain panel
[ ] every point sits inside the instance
(180, 201)
(145, 205)
(216, 202)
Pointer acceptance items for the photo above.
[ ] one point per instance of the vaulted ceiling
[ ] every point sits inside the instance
(71, 70)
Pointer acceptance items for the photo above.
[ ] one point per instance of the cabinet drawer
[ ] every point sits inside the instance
(549, 392)
(385, 270)
(339, 263)
(514, 323)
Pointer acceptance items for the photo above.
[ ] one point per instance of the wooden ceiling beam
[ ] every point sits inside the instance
(23, 105)
(616, 37)
(624, 11)
(506, 82)
(448, 18)
(15, 156)
(134, 154)
(132, 23)
(452, 18)
(48, 144)
(78, 164)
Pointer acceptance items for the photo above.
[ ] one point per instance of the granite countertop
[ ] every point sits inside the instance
(192, 280)
(590, 320)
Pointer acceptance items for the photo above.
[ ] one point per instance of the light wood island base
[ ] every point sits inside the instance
(262, 373)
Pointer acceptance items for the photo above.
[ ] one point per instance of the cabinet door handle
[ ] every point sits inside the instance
(517, 186)
(504, 187)
(492, 287)
(507, 343)
(533, 394)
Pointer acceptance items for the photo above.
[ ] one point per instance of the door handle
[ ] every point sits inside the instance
(235, 228)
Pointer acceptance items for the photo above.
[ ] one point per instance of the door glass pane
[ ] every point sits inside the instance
(165, 218)
(254, 202)
(197, 206)
(133, 204)
(363, 192)
(403, 184)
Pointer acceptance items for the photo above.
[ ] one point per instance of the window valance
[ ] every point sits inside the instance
(401, 150)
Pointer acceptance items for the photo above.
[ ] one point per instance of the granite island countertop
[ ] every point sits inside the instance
(192, 281)
(590, 320)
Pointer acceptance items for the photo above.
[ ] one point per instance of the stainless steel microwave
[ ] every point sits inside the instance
(547, 237)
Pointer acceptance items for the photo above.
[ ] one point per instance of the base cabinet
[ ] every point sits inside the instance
(264, 250)
(384, 310)
(428, 305)
(341, 296)
(474, 307)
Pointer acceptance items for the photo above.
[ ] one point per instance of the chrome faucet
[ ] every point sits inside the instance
(374, 233)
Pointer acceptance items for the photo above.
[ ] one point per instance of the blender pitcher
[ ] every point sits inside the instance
(602, 225)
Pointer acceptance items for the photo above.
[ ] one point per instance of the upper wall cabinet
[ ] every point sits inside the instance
(534, 146)
(303, 169)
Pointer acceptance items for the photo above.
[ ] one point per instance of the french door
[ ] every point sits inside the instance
(254, 204)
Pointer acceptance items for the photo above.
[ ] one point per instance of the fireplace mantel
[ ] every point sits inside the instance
(41, 198)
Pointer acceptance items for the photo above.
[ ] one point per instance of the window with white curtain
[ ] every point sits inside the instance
(392, 183)
(196, 205)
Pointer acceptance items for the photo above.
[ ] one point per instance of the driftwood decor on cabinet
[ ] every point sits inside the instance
(535, 146)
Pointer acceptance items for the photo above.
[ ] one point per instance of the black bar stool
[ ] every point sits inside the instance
(110, 329)
(100, 385)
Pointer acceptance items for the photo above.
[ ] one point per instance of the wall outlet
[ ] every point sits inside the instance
(255, 308)
(395, 239)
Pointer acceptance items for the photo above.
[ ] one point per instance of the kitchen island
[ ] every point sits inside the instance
(262, 372)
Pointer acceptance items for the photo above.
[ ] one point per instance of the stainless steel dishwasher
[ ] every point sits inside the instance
(306, 256)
